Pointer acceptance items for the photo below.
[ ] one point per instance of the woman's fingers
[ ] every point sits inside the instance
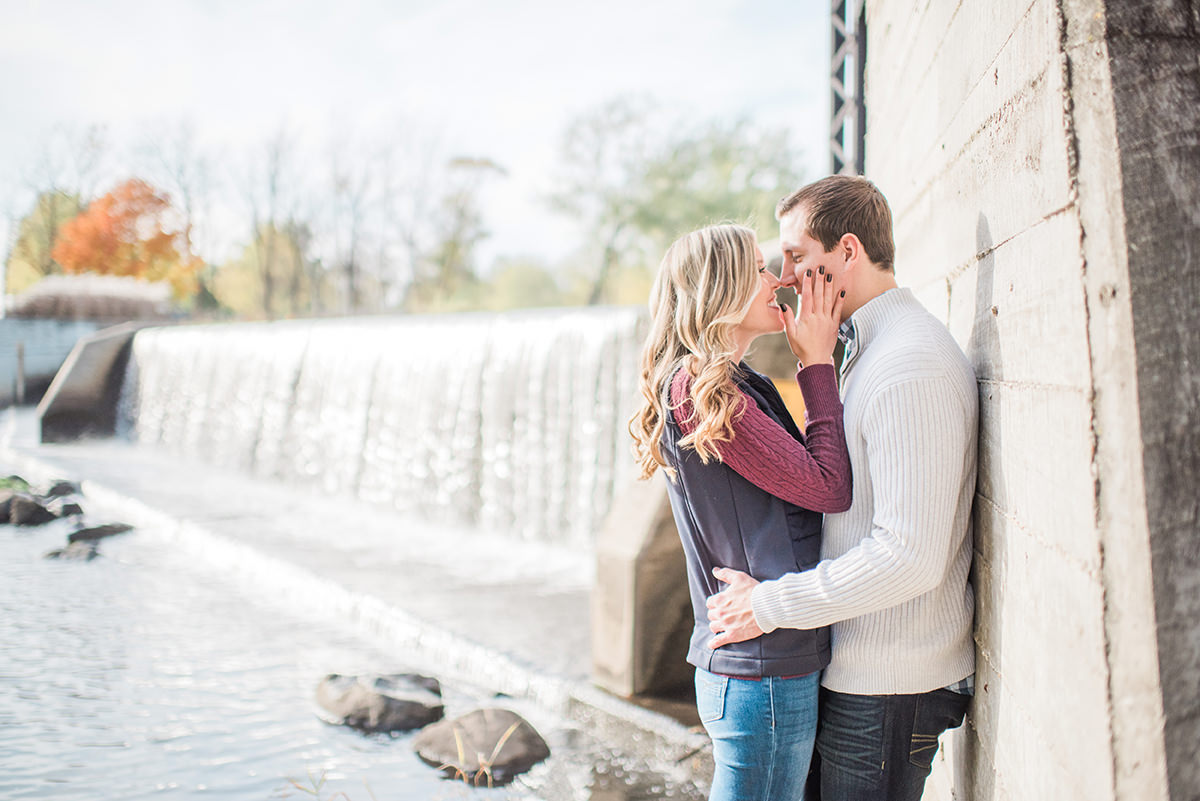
(806, 294)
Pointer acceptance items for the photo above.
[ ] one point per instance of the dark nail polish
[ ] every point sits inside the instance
(808, 273)
(842, 293)
(828, 278)
(821, 270)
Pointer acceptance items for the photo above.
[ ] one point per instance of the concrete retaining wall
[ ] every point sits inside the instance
(1041, 160)
(46, 344)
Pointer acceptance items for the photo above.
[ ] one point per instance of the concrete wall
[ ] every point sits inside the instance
(46, 344)
(1032, 151)
(1154, 48)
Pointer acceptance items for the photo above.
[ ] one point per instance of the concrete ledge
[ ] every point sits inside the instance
(641, 610)
(82, 398)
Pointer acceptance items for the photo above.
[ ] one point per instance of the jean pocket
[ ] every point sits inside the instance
(850, 736)
(710, 695)
(935, 712)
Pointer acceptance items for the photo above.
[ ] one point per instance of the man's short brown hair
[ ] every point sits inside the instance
(845, 204)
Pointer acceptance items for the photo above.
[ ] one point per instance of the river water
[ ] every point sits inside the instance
(145, 674)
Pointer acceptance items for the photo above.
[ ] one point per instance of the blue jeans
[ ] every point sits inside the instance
(762, 731)
(881, 747)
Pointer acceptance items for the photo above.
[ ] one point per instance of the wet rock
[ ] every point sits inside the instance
(61, 488)
(394, 702)
(497, 745)
(64, 508)
(25, 510)
(81, 551)
(6, 496)
(98, 532)
(14, 483)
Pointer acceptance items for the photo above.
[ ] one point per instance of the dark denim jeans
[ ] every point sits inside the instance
(881, 747)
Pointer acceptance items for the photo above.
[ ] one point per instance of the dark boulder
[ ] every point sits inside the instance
(61, 488)
(98, 532)
(80, 551)
(25, 510)
(64, 508)
(395, 702)
(487, 747)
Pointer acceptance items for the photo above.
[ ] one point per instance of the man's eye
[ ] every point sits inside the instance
(795, 258)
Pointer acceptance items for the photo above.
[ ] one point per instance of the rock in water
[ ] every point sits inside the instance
(24, 510)
(98, 532)
(496, 746)
(64, 508)
(61, 488)
(81, 551)
(395, 702)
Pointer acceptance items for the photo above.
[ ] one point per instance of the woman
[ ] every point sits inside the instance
(747, 488)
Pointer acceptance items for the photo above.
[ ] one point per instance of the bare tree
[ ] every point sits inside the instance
(60, 179)
(174, 162)
(351, 182)
(265, 187)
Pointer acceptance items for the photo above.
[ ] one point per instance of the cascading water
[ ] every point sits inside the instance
(513, 423)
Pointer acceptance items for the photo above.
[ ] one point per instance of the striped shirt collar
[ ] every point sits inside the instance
(871, 318)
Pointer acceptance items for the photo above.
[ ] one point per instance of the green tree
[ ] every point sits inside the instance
(636, 179)
(298, 287)
(522, 284)
(31, 257)
(445, 278)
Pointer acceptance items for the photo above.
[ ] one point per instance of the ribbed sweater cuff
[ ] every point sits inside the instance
(767, 608)
(818, 385)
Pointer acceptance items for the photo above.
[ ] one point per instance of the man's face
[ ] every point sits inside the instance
(800, 251)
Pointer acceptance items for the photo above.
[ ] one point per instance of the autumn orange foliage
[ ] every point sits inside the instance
(127, 232)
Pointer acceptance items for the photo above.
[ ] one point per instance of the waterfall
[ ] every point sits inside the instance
(513, 423)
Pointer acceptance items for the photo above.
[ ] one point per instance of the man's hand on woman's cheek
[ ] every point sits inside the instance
(730, 615)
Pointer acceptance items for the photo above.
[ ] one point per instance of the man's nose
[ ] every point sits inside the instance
(788, 278)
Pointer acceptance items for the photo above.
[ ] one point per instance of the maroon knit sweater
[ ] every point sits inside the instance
(813, 474)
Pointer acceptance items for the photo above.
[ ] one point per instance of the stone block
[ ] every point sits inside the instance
(1010, 175)
(641, 610)
(1013, 757)
(1019, 311)
(971, 92)
(1049, 491)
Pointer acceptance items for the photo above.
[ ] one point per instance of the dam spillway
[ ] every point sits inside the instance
(508, 423)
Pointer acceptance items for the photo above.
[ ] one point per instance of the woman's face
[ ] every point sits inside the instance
(763, 316)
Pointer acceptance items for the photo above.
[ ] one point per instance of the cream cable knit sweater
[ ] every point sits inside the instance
(893, 576)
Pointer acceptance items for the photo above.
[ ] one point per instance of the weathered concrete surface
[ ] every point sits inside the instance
(82, 398)
(1042, 159)
(1154, 56)
(641, 611)
(45, 344)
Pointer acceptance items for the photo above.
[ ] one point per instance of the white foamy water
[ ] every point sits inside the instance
(512, 423)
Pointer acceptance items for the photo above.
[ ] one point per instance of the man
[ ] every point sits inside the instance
(892, 582)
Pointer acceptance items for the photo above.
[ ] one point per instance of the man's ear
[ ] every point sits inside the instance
(850, 249)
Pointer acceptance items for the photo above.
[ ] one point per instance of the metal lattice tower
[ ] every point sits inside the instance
(848, 112)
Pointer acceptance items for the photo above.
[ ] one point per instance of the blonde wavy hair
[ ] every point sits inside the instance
(704, 287)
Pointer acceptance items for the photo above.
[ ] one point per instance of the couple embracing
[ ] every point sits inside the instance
(827, 569)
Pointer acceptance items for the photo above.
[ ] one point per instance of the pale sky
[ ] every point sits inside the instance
(497, 80)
